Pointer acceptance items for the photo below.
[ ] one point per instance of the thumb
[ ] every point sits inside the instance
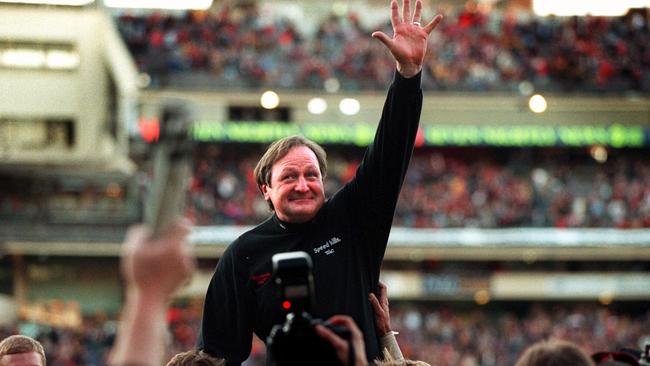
(387, 41)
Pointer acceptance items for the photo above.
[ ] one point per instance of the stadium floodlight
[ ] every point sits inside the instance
(270, 100)
(61, 60)
(36, 58)
(317, 106)
(332, 85)
(22, 57)
(537, 103)
(51, 2)
(349, 106)
(582, 8)
(160, 4)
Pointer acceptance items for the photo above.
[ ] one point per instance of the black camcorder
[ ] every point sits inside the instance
(295, 342)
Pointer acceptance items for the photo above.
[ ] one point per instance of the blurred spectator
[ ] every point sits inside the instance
(554, 352)
(18, 350)
(195, 358)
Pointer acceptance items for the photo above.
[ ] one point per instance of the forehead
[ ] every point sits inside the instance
(297, 157)
(22, 359)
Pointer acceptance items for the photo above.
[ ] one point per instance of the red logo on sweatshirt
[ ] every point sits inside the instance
(260, 279)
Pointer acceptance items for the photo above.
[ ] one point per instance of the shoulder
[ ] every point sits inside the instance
(249, 240)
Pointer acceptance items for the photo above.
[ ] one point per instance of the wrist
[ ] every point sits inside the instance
(385, 330)
(408, 70)
(154, 301)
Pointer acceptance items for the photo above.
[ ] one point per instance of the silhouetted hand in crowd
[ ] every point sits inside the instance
(157, 266)
(154, 268)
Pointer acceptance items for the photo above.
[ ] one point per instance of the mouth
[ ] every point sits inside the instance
(300, 199)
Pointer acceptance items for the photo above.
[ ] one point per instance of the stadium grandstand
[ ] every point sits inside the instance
(525, 213)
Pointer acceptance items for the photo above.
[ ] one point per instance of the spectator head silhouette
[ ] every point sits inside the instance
(554, 352)
(20, 350)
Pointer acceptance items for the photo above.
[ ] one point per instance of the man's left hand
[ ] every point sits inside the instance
(409, 43)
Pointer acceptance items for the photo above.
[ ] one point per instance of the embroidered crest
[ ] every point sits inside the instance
(260, 279)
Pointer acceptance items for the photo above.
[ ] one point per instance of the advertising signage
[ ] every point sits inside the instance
(361, 134)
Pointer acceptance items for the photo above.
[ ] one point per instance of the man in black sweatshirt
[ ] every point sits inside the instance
(346, 235)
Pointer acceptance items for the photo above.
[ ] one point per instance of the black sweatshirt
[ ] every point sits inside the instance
(346, 240)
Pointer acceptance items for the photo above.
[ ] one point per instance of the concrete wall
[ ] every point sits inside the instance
(80, 95)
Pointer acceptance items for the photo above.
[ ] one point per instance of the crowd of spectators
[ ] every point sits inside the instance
(454, 187)
(474, 50)
(439, 335)
(55, 200)
(473, 187)
(443, 336)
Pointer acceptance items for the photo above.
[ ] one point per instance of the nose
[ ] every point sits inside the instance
(301, 185)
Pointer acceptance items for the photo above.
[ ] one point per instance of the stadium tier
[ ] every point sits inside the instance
(249, 47)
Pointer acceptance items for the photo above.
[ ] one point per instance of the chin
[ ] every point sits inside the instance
(304, 216)
(301, 215)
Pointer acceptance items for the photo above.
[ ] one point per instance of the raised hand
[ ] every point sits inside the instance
(409, 42)
(157, 267)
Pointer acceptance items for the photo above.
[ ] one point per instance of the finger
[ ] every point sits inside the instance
(406, 11)
(386, 40)
(375, 304)
(176, 234)
(433, 24)
(357, 336)
(394, 14)
(189, 265)
(418, 11)
(383, 295)
(337, 342)
(347, 322)
(135, 235)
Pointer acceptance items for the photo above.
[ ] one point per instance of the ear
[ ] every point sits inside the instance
(265, 191)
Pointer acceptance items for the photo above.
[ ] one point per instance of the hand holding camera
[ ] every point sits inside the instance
(343, 350)
(302, 340)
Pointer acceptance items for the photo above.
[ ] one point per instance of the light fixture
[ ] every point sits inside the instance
(582, 8)
(317, 106)
(526, 88)
(537, 103)
(349, 106)
(28, 58)
(51, 2)
(332, 85)
(160, 4)
(270, 99)
(61, 60)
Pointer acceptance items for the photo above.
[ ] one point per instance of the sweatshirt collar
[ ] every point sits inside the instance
(292, 227)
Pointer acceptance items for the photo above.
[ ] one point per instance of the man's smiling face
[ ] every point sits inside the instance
(296, 188)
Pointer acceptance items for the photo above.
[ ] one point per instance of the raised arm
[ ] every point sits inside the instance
(375, 190)
(153, 269)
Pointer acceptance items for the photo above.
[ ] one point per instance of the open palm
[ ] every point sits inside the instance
(409, 42)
